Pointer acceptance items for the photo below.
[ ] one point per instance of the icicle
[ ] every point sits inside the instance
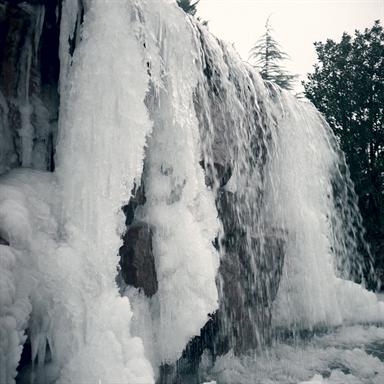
(6, 147)
(70, 12)
(26, 129)
(38, 29)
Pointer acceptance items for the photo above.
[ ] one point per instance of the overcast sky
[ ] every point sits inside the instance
(297, 23)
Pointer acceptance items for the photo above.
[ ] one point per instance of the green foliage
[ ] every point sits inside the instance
(347, 86)
(267, 56)
(188, 6)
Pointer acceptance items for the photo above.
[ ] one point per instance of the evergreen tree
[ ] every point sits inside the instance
(188, 6)
(347, 86)
(267, 56)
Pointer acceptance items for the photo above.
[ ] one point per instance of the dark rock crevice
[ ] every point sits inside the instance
(137, 262)
(29, 99)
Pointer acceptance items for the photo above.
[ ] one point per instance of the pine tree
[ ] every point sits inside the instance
(267, 56)
(188, 6)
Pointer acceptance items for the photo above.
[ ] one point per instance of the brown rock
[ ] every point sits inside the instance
(3, 241)
(137, 260)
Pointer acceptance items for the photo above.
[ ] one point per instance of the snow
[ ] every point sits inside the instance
(342, 356)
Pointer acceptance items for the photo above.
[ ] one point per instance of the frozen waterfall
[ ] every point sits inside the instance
(182, 221)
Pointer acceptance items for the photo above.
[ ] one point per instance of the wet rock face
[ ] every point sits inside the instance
(137, 262)
(378, 249)
(249, 276)
(29, 72)
(137, 199)
(245, 307)
(4, 241)
(248, 297)
(252, 251)
(220, 172)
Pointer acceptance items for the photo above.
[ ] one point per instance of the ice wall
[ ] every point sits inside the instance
(103, 128)
(179, 205)
(105, 123)
(179, 208)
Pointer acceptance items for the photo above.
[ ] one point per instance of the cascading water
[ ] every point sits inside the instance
(310, 293)
(241, 224)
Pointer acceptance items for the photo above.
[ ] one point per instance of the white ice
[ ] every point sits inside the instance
(349, 355)
(179, 206)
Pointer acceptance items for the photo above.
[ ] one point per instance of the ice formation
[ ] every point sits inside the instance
(27, 223)
(179, 207)
(351, 355)
(245, 197)
(311, 292)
